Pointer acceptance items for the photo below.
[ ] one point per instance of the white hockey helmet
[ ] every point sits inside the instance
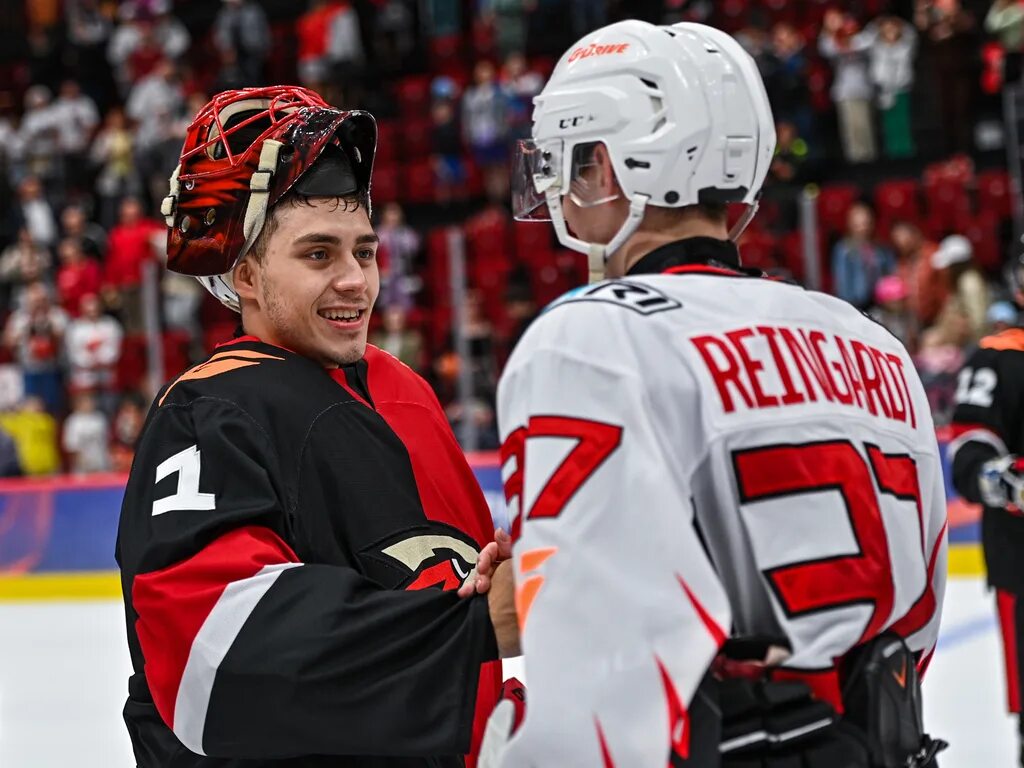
(681, 110)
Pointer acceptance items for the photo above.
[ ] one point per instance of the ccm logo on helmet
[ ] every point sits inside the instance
(597, 50)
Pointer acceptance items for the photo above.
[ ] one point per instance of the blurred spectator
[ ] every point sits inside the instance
(446, 137)
(940, 358)
(34, 432)
(783, 64)
(587, 16)
(88, 30)
(86, 438)
(508, 20)
(485, 126)
(76, 118)
(1002, 316)
(1005, 20)
(182, 298)
(125, 431)
(113, 150)
(443, 18)
(394, 35)
(345, 54)
(401, 242)
(33, 212)
(398, 339)
(789, 172)
(891, 310)
(144, 38)
(155, 103)
(44, 64)
(951, 61)
(21, 263)
(92, 345)
(521, 84)
(241, 27)
(77, 276)
(892, 51)
(928, 286)
(36, 151)
(88, 234)
(10, 464)
(521, 310)
(858, 260)
(129, 246)
(311, 29)
(35, 332)
(955, 255)
(847, 49)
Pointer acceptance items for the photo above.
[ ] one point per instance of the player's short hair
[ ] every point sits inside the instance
(349, 203)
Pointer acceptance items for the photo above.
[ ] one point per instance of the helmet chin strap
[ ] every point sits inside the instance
(741, 224)
(597, 253)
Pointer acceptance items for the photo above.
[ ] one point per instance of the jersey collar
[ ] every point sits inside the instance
(696, 254)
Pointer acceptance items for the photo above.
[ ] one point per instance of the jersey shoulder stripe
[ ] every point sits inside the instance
(220, 362)
(1010, 339)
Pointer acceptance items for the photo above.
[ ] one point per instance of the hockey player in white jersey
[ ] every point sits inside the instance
(728, 515)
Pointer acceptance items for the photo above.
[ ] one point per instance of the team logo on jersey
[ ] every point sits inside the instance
(434, 559)
(623, 293)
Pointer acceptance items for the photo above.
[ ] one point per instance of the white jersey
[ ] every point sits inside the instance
(698, 455)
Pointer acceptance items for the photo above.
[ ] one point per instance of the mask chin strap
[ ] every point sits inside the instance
(597, 253)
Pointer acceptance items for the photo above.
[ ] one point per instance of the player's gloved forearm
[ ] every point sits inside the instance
(503, 722)
(1001, 483)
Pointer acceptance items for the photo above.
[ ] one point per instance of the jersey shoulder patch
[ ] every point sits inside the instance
(638, 297)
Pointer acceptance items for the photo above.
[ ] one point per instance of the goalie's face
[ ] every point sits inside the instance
(317, 282)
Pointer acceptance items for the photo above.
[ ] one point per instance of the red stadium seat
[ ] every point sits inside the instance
(419, 182)
(437, 271)
(758, 250)
(983, 232)
(895, 200)
(834, 201)
(444, 51)
(948, 203)
(385, 186)
(489, 237)
(533, 242)
(994, 193)
(387, 142)
(417, 139)
(414, 96)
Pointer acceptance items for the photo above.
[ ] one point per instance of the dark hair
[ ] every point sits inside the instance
(349, 203)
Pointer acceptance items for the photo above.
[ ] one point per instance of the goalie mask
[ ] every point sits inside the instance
(243, 152)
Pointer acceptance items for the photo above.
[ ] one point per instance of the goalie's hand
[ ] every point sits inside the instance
(1001, 484)
(479, 582)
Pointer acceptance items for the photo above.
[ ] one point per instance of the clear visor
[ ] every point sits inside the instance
(538, 169)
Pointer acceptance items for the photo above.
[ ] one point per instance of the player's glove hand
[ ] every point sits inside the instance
(502, 724)
(1001, 483)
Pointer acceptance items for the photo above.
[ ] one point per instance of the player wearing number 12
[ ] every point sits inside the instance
(986, 456)
(728, 514)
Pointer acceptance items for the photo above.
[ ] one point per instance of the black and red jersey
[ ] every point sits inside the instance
(989, 422)
(288, 544)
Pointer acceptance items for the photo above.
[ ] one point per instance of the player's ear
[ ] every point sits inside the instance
(608, 185)
(246, 279)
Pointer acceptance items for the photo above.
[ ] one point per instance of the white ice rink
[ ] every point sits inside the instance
(64, 666)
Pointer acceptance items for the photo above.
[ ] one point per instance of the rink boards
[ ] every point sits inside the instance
(57, 535)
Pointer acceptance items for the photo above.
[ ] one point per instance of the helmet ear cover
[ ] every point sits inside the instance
(244, 151)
